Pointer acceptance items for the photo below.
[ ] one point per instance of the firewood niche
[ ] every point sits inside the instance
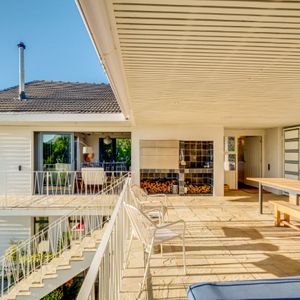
(158, 181)
(172, 167)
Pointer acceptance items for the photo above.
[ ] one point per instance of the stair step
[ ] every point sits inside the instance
(50, 276)
(36, 285)
(92, 249)
(61, 261)
(76, 258)
(23, 293)
(97, 234)
(63, 267)
(10, 297)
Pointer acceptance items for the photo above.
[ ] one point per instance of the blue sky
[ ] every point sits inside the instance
(58, 46)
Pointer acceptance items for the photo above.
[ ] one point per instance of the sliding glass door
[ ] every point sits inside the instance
(56, 151)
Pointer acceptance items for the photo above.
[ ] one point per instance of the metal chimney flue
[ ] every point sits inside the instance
(22, 95)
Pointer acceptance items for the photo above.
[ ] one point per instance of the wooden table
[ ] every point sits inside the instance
(291, 186)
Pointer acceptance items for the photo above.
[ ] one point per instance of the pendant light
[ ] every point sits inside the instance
(107, 140)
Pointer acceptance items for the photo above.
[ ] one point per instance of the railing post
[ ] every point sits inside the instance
(149, 291)
(2, 277)
(47, 183)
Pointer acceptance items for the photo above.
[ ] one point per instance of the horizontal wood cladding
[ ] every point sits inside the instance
(159, 144)
(291, 134)
(15, 151)
(159, 154)
(291, 153)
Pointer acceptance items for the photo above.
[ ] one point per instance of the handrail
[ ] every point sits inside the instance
(31, 255)
(86, 206)
(108, 261)
(36, 185)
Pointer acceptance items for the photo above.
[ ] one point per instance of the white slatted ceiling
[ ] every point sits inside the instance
(233, 63)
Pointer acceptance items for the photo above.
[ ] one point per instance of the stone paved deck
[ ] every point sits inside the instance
(226, 240)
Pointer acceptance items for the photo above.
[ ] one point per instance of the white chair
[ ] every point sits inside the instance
(144, 201)
(155, 210)
(63, 167)
(151, 234)
(143, 196)
(93, 177)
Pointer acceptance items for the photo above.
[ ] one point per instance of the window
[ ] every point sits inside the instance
(230, 153)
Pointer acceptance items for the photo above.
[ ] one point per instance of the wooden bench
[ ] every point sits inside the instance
(289, 210)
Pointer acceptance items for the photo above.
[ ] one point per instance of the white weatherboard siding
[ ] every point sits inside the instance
(181, 133)
(15, 150)
(13, 229)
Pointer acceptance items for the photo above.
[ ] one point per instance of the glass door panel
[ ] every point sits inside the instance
(57, 152)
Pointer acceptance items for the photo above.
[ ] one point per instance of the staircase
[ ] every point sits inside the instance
(58, 271)
(35, 267)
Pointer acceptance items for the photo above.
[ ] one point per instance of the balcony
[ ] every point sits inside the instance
(55, 189)
(226, 240)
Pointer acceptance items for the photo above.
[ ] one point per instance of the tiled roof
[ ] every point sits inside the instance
(60, 97)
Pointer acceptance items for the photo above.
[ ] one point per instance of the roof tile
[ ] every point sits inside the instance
(60, 97)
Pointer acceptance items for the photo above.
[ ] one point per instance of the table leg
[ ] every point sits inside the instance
(294, 199)
(260, 198)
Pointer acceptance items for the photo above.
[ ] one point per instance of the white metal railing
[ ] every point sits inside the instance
(103, 280)
(30, 257)
(88, 181)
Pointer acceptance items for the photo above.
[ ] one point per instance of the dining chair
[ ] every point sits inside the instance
(151, 234)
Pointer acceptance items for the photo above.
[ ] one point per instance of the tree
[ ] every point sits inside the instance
(124, 151)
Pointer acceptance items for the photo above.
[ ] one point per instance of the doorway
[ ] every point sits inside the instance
(249, 160)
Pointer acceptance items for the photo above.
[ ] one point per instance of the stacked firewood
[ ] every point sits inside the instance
(156, 187)
(199, 189)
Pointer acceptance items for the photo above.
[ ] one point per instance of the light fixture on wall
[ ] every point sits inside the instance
(88, 153)
(107, 140)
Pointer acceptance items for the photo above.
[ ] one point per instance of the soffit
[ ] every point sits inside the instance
(231, 63)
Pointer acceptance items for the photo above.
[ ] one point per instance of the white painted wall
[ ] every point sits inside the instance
(253, 158)
(273, 154)
(13, 229)
(247, 132)
(16, 149)
(272, 149)
(93, 141)
(185, 133)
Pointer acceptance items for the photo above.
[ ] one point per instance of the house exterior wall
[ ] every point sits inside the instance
(16, 149)
(184, 133)
(13, 229)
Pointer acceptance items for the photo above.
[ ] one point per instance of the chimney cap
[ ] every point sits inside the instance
(21, 44)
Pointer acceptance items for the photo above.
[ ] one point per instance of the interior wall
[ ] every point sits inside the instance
(184, 133)
(92, 140)
(273, 154)
(248, 132)
(253, 151)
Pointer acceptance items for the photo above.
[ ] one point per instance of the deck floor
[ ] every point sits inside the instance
(227, 239)
(55, 201)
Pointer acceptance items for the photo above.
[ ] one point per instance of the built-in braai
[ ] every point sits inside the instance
(160, 181)
(196, 167)
(159, 166)
(172, 167)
